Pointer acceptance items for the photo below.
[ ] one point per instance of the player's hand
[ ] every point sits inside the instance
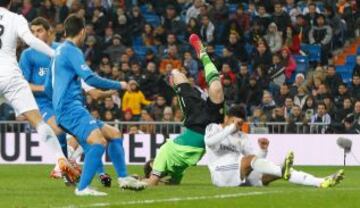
(263, 143)
(124, 85)
(111, 92)
(238, 123)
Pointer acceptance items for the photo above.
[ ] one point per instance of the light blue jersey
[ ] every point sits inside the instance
(63, 83)
(35, 66)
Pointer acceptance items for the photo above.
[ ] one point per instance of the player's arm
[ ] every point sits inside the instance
(215, 135)
(76, 58)
(26, 66)
(25, 34)
(94, 93)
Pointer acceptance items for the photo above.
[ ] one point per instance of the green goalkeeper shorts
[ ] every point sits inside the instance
(172, 160)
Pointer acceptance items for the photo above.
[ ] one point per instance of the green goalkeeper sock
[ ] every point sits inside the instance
(211, 73)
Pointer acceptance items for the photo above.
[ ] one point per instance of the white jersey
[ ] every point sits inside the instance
(12, 27)
(225, 148)
(85, 86)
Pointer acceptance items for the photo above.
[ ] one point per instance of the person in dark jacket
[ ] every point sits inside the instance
(332, 80)
(280, 17)
(262, 55)
(321, 34)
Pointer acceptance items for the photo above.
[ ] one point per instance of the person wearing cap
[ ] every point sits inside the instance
(115, 49)
(299, 81)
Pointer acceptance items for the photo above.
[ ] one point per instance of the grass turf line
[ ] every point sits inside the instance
(29, 186)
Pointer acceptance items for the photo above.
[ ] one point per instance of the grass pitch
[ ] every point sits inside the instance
(29, 186)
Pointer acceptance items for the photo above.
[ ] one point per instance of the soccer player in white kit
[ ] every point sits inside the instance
(14, 89)
(233, 162)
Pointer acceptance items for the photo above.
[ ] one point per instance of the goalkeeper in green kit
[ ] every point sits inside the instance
(188, 148)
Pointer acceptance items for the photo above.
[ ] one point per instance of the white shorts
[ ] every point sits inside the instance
(253, 179)
(227, 174)
(17, 93)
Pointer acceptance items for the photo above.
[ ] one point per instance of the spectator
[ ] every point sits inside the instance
(110, 106)
(219, 14)
(301, 96)
(136, 73)
(193, 26)
(108, 38)
(146, 118)
(303, 27)
(284, 92)
(309, 107)
(258, 118)
(191, 65)
(341, 93)
(346, 12)
(262, 18)
(356, 69)
(229, 90)
(150, 83)
(194, 10)
(292, 40)
(214, 58)
(280, 17)
(134, 129)
(168, 115)
(115, 49)
(157, 108)
(288, 104)
(321, 93)
(262, 56)
(256, 32)
(267, 104)
(273, 38)
(311, 13)
(296, 116)
(28, 11)
(172, 22)
(148, 35)
(242, 18)
(108, 116)
(321, 117)
(229, 58)
(172, 59)
(289, 63)
(234, 44)
(276, 74)
(99, 21)
(278, 117)
(242, 81)
(299, 81)
(253, 94)
(338, 25)
(292, 9)
(207, 29)
(133, 99)
(95, 113)
(344, 110)
(137, 21)
(331, 108)
(355, 88)
(171, 40)
(321, 34)
(332, 80)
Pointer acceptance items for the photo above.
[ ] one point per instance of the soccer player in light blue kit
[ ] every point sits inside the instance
(35, 66)
(67, 68)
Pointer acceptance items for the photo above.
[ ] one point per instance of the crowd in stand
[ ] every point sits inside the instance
(252, 43)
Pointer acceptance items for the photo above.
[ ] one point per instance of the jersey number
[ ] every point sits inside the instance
(2, 29)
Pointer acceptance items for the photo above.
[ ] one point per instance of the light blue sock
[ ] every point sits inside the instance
(63, 143)
(101, 170)
(91, 164)
(117, 156)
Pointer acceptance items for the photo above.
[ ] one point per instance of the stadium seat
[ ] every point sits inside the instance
(140, 51)
(343, 69)
(137, 41)
(219, 50)
(152, 19)
(302, 63)
(358, 51)
(351, 60)
(313, 51)
(347, 77)
(249, 49)
(232, 8)
(320, 6)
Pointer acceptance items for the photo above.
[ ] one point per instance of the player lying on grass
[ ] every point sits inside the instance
(35, 66)
(13, 87)
(67, 69)
(175, 156)
(232, 161)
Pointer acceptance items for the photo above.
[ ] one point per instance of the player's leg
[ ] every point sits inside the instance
(216, 92)
(252, 163)
(303, 178)
(95, 148)
(59, 133)
(117, 155)
(18, 94)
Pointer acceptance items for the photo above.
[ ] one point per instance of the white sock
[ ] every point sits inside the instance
(299, 177)
(50, 139)
(77, 153)
(57, 167)
(71, 151)
(264, 166)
